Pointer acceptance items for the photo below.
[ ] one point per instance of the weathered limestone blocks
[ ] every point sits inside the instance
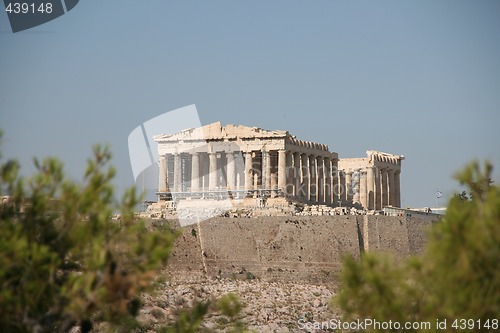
(299, 248)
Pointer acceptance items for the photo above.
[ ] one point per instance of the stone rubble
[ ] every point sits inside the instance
(268, 306)
(289, 209)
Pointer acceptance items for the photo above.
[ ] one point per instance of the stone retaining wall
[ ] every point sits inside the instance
(290, 248)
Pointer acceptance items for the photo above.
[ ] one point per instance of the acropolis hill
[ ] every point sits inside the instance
(265, 202)
(269, 216)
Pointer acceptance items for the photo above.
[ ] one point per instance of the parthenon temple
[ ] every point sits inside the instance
(240, 162)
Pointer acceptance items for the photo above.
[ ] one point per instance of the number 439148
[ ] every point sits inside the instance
(25, 8)
(464, 324)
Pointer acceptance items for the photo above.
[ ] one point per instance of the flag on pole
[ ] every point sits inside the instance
(439, 194)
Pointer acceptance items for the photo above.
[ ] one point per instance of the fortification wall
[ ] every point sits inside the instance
(291, 248)
(386, 234)
(418, 229)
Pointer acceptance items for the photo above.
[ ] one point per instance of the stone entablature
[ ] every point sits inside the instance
(215, 137)
(216, 161)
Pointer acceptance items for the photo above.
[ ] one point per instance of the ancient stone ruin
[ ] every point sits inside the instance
(253, 167)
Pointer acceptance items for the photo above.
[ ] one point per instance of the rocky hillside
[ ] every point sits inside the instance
(268, 306)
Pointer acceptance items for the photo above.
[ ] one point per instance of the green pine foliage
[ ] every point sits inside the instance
(63, 260)
(457, 277)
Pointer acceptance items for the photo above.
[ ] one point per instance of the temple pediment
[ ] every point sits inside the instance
(216, 131)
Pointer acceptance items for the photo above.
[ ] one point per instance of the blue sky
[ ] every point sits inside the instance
(418, 78)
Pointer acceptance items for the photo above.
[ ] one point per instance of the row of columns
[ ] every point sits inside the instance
(197, 178)
(371, 188)
(305, 176)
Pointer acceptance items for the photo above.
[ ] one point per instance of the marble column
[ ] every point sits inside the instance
(289, 174)
(239, 175)
(397, 189)
(205, 171)
(305, 176)
(177, 173)
(348, 186)
(356, 187)
(328, 181)
(335, 182)
(212, 182)
(231, 171)
(162, 182)
(390, 187)
(296, 174)
(258, 176)
(369, 185)
(342, 188)
(248, 171)
(195, 172)
(282, 170)
(362, 188)
(256, 184)
(377, 193)
(383, 191)
(313, 186)
(320, 172)
(266, 169)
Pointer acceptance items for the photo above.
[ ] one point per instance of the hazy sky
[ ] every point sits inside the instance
(418, 78)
